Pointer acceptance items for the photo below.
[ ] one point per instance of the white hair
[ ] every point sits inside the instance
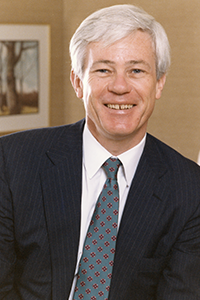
(113, 23)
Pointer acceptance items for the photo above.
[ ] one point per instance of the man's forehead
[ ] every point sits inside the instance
(104, 42)
(131, 50)
(139, 38)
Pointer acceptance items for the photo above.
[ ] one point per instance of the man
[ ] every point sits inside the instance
(51, 178)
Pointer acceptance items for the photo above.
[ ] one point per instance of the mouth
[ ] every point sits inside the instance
(120, 107)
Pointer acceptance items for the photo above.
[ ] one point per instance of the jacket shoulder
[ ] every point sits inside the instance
(42, 138)
(26, 147)
(174, 161)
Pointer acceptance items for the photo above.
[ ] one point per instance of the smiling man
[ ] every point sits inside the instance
(101, 209)
(119, 88)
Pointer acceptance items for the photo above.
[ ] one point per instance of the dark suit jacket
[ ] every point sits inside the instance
(158, 244)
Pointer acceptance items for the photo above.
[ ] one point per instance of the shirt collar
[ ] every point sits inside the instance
(94, 155)
(130, 160)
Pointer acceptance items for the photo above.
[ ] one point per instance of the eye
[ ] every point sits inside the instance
(103, 71)
(137, 71)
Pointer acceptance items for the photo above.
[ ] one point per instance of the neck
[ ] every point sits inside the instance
(117, 144)
(116, 147)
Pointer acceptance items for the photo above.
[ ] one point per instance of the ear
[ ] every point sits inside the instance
(77, 84)
(159, 86)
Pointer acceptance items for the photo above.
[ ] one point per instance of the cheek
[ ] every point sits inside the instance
(149, 92)
(87, 96)
(147, 100)
(94, 96)
(91, 103)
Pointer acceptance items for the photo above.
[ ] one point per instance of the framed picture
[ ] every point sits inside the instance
(24, 76)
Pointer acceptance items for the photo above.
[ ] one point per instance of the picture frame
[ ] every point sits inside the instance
(24, 76)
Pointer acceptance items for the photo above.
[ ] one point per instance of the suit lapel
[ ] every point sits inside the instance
(145, 203)
(61, 185)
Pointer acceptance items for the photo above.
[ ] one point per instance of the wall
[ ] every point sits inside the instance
(176, 117)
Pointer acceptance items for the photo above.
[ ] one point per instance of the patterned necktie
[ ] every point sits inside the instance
(96, 264)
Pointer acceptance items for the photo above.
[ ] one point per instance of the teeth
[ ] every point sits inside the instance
(116, 106)
(119, 107)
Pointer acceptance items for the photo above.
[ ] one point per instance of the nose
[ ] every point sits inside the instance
(119, 85)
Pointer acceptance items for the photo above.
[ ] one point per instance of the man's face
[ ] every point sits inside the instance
(119, 88)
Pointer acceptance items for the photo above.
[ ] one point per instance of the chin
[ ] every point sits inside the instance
(120, 134)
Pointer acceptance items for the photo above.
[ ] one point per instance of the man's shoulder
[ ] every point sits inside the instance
(173, 159)
(47, 135)
(36, 142)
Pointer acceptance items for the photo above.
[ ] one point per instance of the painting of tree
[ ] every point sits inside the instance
(19, 82)
(25, 60)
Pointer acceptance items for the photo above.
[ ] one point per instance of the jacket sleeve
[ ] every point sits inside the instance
(7, 243)
(181, 277)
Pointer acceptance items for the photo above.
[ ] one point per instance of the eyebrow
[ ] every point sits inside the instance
(135, 62)
(131, 62)
(106, 61)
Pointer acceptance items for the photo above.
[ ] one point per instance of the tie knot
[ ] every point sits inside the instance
(111, 167)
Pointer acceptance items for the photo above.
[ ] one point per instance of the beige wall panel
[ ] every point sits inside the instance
(176, 117)
(43, 12)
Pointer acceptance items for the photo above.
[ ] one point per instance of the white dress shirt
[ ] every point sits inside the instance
(94, 177)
